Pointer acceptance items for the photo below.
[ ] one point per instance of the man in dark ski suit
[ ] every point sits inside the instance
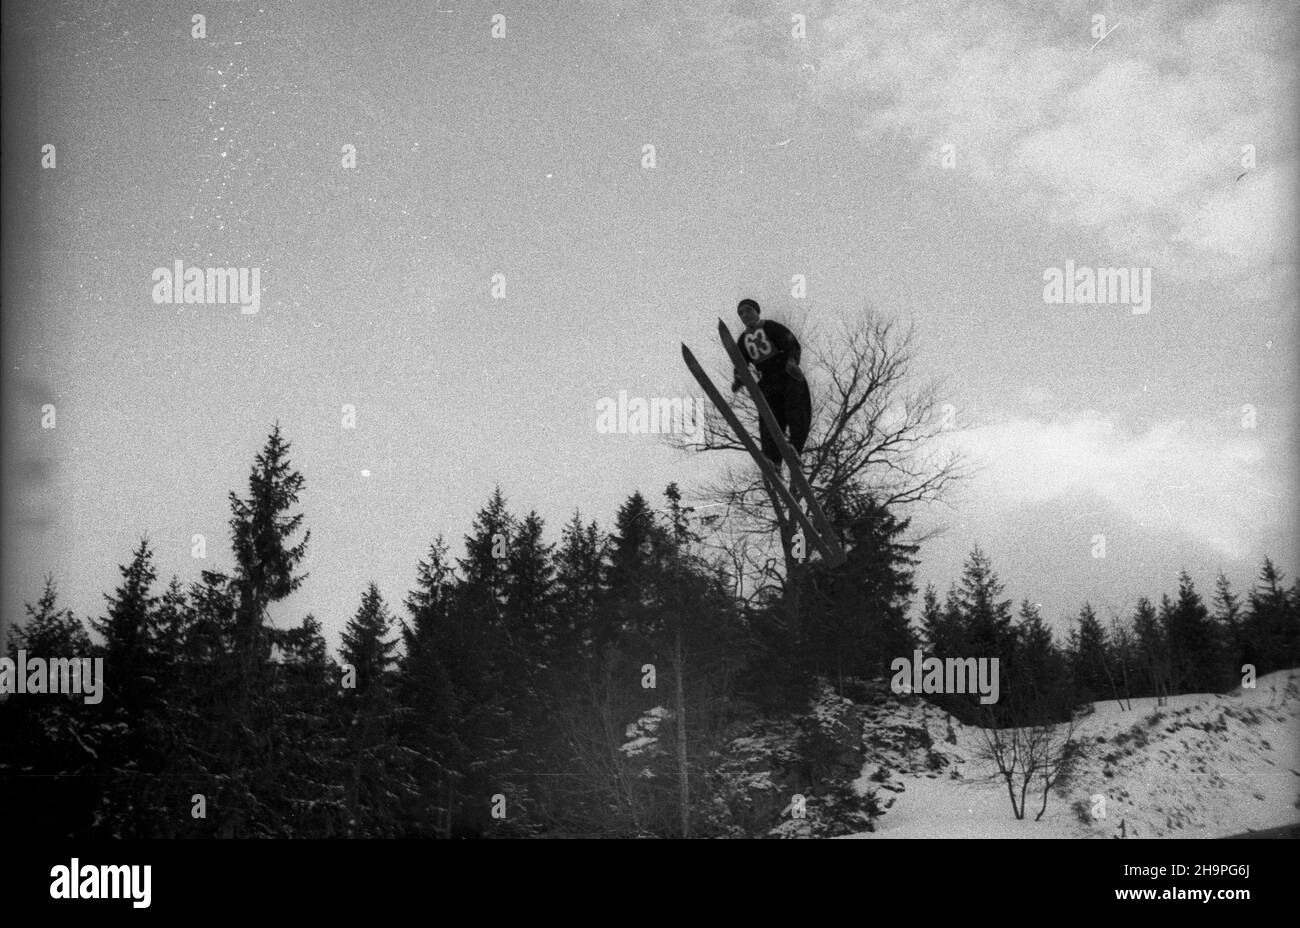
(774, 351)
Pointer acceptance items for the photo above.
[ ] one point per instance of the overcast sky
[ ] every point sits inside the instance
(1168, 144)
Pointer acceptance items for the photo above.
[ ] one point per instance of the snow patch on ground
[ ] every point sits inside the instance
(1201, 766)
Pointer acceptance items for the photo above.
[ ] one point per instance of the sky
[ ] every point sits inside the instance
(926, 160)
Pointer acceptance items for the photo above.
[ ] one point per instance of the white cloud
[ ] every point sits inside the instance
(1139, 139)
(1176, 476)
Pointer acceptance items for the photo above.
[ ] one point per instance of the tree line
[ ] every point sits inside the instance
(1182, 645)
(590, 686)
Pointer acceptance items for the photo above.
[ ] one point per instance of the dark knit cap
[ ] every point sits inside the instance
(747, 302)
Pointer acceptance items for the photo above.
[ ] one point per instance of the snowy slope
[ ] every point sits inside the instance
(1202, 766)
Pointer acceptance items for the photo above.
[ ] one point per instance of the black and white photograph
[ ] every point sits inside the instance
(670, 419)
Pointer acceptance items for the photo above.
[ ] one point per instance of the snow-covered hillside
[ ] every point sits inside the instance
(1202, 766)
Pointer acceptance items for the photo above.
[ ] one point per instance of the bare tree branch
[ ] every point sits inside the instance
(873, 432)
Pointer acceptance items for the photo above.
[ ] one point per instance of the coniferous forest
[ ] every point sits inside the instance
(608, 682)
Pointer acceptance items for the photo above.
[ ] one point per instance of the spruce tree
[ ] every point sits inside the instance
(985, 617)
(235, 693)
(936, 630)
(130, 632)
(1228, 617)
(1271, 625)
(49, 631)
(174, 619)
(1088, 658)
(1193, 641)
(134, 796)
(1035, 681)
(530, 597)
(580, 567)
(637, 546)
(368, 647)
(860, 607)
(486, 549)
(261, 529)
(482, 661)
(313, 759)
(1152, 647)
(378, 784)
(50, 747)
(431, 712)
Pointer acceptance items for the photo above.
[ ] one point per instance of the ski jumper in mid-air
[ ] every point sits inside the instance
(783, 403)
(774, 351)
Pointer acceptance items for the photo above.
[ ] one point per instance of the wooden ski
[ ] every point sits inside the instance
(799, 482)
(769, 472)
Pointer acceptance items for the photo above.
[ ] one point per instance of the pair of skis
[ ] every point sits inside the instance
(813, 523)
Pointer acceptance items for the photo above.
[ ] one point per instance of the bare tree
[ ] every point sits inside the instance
(873, 431)
(1028, 757)
(1122, 647)
(595, 730)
